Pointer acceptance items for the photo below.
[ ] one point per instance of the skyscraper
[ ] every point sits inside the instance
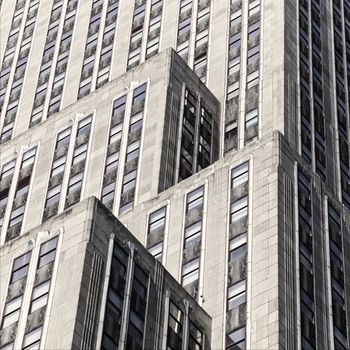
(229, 160)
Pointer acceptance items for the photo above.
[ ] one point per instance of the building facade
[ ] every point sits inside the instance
(115, 293)
(229, 160)
(120, 145)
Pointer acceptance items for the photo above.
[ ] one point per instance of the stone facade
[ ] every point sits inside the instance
(166, 77)
(74, 316)
(257, 232)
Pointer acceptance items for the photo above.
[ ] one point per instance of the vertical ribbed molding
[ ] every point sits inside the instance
(329, 309)
(318, 112)
(291, 118)
(313, 134)
(289, 241)
(309, 297)
(91, 302)
(249, 252)
(298, 91)
(186, 324)
(333, 98)
(105, 290)
(346, 264)
(158, 279)
(337, 248)
(312, 123)
(167, 172)
(296, 247)
(127, 297)
(341, 54)
(179, 135)
(319, 263)
(166, 319)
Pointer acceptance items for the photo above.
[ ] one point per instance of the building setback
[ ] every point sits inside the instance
(120, 144)
(82, 281)
(229, 160)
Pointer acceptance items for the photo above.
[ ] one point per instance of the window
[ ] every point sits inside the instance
(237, 257)
(47, 252)
(137, 309)
(337, 278)
(196, 338)
(233, 78)
(175, 327)
(112, 158)
(239, 175)
(40, 295)
(32, 340)
(236, 339)
(6, 176)
(340, 15)
(155, 233)
(306, 262)
(11, 312)
(184, 28)
(20, 267)
(205, 139)
(90, 49)
(77, 170)
(196, 140)
(195, 200)
(133, 149)
(57, 173)
(60, 71)
(154, 28)
(13, 304)
(190, 273)
(115, 299)
(21, 194)
(21, 65)
(188, 140)
(107, 43)
(192, 241)
(45, 68)
(202, 38)
(136, 34)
